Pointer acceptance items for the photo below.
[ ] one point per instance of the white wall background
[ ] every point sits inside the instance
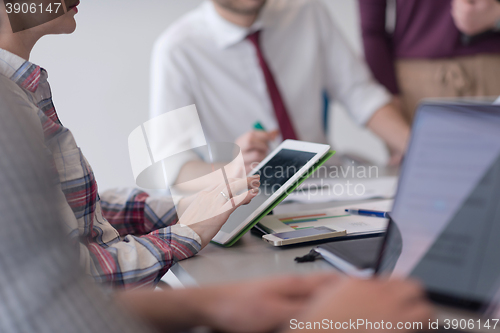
(100, 79)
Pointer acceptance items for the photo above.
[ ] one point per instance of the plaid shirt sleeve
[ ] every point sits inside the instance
(134, 212)
(133, 262)
(123, 261)
(135, 239)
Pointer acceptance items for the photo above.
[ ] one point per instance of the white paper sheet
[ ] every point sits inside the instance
(325, 190)
(340, 220)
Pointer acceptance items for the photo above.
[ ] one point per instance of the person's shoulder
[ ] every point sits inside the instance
(7, 86)
(10, 93)
(15, 102)
(183, 32)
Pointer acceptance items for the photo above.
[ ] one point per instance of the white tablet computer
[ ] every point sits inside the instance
(278, 172)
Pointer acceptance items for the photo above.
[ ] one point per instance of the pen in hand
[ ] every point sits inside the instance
(258, 126)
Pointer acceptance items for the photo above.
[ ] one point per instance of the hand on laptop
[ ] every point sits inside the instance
(393, 301)
(255, 146)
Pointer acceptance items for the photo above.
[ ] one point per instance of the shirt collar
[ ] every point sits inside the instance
(226, 33)
(24, 73)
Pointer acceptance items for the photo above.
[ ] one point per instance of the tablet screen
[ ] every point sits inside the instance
(274, 174)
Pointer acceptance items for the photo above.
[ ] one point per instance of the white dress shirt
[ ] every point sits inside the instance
(205, 60)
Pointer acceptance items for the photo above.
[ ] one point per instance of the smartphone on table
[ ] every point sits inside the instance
(303, 236)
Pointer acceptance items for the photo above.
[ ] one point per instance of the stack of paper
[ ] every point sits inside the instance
(334, 218)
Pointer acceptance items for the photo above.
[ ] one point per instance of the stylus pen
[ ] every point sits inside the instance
(364, 212)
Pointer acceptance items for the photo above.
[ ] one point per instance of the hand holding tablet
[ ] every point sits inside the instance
(280, 173)
(211, 208)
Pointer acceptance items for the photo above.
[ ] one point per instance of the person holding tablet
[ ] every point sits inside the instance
(44, 290)
(126, 238)
(43, 287)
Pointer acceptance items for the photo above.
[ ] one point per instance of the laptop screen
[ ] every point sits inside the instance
(445, 228)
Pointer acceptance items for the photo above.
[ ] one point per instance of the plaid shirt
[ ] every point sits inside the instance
(127, 238)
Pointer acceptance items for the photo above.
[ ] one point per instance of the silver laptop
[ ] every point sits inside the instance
(444, 228)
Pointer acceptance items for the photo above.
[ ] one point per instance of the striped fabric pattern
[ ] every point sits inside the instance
(28, 76)
(128, 238)
(135, 216)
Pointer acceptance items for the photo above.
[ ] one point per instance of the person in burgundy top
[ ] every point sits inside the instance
(445, 48)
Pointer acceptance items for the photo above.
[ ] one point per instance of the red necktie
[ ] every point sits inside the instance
(286, 127)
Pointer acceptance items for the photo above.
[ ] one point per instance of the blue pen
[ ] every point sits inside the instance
(365, 212)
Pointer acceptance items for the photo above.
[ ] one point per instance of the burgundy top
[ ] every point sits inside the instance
(424, 29)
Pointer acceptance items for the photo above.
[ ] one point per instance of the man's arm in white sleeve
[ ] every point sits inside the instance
(350, 82)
